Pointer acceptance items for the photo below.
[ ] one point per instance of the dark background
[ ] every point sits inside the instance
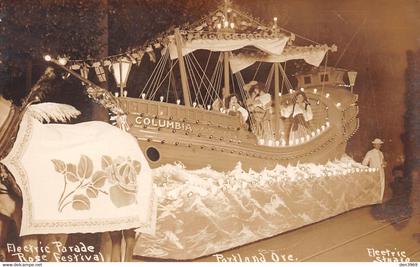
(373, 37)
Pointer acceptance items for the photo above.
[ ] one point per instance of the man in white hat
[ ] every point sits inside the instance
(375, 159)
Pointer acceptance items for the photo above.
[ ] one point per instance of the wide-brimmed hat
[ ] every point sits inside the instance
(377, 141)
(249, 85)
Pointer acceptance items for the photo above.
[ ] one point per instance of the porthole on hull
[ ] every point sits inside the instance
(152, 154)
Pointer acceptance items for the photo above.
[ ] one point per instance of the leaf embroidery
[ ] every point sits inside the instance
(81, 202)
(106, 162)
(71, 175)
(85, 167)
(92, 192)
(59, 165)
(99, 179)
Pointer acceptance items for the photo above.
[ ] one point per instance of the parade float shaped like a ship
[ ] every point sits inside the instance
(219, 185)
(197, 136)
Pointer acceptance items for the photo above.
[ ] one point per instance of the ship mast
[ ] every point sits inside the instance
(276, 102)
(226, 89)
(182, 70)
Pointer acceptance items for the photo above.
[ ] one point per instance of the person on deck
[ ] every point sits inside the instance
(374, 158)
(299, 114)
(259, 104)
(234, 107)
(217, 105)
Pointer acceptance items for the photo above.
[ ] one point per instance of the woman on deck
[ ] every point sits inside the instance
(260, 106)
(299, 114)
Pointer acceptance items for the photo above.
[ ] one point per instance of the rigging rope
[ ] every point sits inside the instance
(283, 80)
(205, 68)
(215, 81)
(197, 89)
(351, 40)
(256, 72)
(152, 76)
(153, 93)
(283, 73)
(191, 75)
(269, 78)
(204, 75)
(157, 85)
(153, 86)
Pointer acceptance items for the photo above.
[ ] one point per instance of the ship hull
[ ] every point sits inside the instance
(197, 138)
(195, 157)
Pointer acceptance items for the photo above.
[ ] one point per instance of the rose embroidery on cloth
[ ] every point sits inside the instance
(122, 174)
(81, 183)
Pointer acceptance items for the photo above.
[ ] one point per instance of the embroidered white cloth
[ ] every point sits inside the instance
(82, 178)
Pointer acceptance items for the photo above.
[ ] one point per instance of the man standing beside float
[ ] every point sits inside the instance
(374, 158)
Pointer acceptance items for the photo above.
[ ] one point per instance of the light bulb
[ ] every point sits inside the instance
(161, 99)
(62, 61)
(315, 91)
(143, 96)
(327, 95)
(178, 101)
(47, 58)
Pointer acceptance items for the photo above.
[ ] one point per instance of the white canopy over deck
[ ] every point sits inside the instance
(273, 46)
(310, 54)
